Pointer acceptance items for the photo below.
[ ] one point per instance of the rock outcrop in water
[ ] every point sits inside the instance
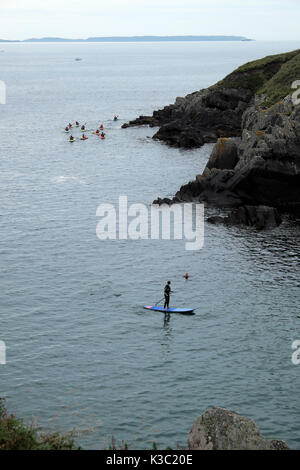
(221, 429)
(256, 126)
(260, 217)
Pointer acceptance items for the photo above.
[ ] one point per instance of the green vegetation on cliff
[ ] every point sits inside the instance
(15, 435)
(271, 76)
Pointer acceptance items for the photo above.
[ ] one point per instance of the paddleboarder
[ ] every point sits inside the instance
(167, 292)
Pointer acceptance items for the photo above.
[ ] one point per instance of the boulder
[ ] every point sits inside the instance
(221, 429)
(174, 134)
(224, 155)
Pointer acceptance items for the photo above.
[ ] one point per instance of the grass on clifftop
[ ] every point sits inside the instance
(280, 84)
(15, 435)
(271, 76)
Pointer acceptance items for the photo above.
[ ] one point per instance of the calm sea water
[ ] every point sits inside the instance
(81, 352)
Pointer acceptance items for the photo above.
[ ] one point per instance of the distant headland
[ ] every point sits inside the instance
(135, 39)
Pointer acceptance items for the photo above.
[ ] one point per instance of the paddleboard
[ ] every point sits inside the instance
(185, 311)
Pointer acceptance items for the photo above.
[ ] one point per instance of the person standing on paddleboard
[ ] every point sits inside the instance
(167, 292)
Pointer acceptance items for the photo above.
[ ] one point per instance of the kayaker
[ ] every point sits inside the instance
(71, 137)
(67, 129)
(77, 123)
(83, 136)
(186, 276)
(97, 131)
(101, 127)
(83, 128)
(115, 118)
(70, 125)
(102, 134)
(167, 292)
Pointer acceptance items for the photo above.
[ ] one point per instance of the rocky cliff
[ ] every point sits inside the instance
(221, 429)
(256, 126)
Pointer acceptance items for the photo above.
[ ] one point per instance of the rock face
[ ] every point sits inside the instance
(200, 117)
(224, 155)
(260, 217)
(256, 126)
(215, 112)
(260, 168)
(221, 429)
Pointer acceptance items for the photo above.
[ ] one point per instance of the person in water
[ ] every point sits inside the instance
(167, 292)
(186, 276)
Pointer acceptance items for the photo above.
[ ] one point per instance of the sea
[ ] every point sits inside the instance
(82, 355)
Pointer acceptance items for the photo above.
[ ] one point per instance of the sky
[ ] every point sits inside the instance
(256, 19)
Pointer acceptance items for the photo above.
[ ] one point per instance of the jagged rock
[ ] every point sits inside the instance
(165, 200)
(217, 111)
(252, 103)
(224, 155)
(174, 135)
(260, 217)
(221, 429)
(142, 121)
(266, 161)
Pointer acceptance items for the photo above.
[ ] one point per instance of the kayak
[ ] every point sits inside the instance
(83, 138)
(72, 140)
(67, 131)
(184, 311)
(96, 133)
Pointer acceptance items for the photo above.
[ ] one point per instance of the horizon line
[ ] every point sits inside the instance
(190, 37)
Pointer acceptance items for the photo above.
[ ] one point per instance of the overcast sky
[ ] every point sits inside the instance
(257, 19)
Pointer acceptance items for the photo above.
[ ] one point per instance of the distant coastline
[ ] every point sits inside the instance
(134, 39)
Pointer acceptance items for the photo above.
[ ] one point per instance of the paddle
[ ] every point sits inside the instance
(172, 292)
(159, 301)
